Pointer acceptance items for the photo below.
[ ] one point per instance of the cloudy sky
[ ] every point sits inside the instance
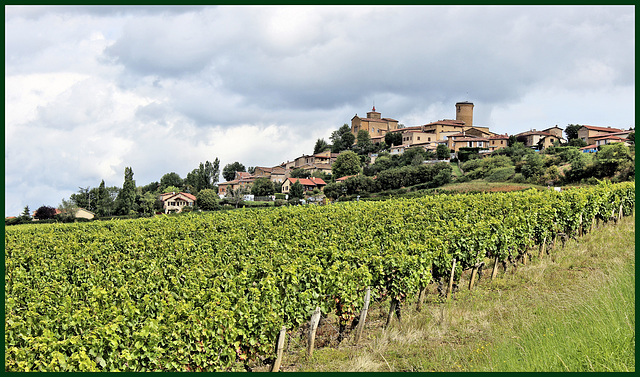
(91, 90)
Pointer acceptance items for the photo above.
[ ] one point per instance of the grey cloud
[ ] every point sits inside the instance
(38, 11)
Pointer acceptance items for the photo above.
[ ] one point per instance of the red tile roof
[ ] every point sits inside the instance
(447, 122)
(318, 181)
(527, 133)
(344, 178)
(308, 182)
(465, 139)
(170, 195)
(243, 174)
(611, 137)
(603, 129)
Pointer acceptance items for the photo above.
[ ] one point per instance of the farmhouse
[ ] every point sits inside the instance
(590, 133)
(176, 201)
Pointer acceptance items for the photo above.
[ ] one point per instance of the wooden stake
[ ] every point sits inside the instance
(474, 272)
(279, 348)
(495, 269)
(543, 245)
(620, 213)
(423, 292)
(363, 314)
(313, 327)
(580, 226)
(453, 269)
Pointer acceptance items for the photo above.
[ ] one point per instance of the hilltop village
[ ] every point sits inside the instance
(455, 134)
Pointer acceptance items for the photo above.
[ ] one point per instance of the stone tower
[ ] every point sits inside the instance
(464, 112)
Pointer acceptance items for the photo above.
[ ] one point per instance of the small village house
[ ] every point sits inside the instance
(307, 184)
(176, 201)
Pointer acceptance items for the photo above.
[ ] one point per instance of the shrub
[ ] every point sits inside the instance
(518, 178)
(500, 174)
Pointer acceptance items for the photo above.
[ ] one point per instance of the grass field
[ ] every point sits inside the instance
(572, 310)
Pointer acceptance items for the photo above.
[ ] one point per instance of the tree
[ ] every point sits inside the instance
(333, 190)
(296, 190)
(153, 187)
(572, 131)
(26, 213)
(148, 203)
(68, 208)
(83, 198)
(393, 138)
(104, 199)
(632, 136)
(171, 189)
(203, 177)
(207, 200)
(236, 196)
(229, 171)
(579, 143)
(171, 179)
(443, 152)
(512, 140)
(610, 157)
(342, 139)
(359, 185)
(321, 146)
(412, 156)
(347, 163)
(126, 200)
(45, 213)
(364, 144)
(262, 187)
(299, 173)
(533, 166)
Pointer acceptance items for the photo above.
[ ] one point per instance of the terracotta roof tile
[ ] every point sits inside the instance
(604, 129)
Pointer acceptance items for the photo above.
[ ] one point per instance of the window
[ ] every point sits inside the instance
(428, 139)
(418, 137)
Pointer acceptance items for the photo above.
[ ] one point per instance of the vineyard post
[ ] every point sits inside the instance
(580, 226)
(542, 247)
(474, 272)
(279, 350)
(495, 268)
(453, 270)
(423, 292)
(363, 314)
(620, 213)
(315, 318)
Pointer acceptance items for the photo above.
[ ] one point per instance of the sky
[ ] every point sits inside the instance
(90, 90)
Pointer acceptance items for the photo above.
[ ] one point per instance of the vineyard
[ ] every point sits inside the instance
(211, 291)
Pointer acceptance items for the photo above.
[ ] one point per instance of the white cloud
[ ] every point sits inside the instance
(90, 90)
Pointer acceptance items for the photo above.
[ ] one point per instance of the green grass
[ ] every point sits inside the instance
(573, 310)
(482, 185)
